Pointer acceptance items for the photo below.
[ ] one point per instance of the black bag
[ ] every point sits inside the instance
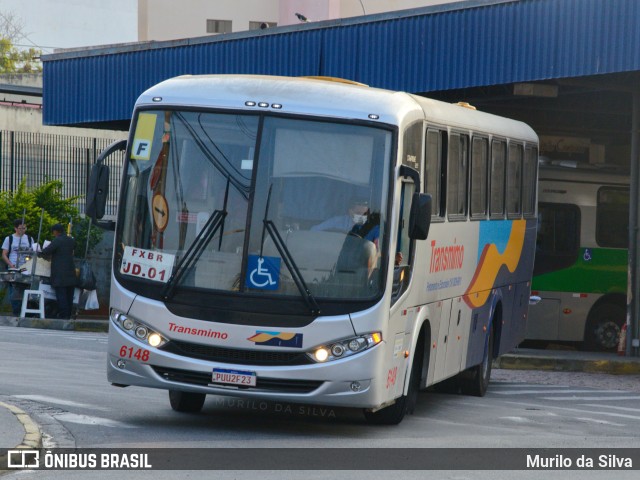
(86, 279)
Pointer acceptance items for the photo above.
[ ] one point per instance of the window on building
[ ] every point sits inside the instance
(218, 26)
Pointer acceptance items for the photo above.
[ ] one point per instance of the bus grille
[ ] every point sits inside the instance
(204, 379)
(234, 355)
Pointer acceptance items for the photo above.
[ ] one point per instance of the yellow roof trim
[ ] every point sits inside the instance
(335, 79)
(466, 105)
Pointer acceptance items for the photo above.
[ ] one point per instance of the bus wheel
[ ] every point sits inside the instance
(187, 402)
(603, 327)
(393, 414)
(478, 382)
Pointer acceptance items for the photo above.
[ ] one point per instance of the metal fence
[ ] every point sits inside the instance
(38, 157)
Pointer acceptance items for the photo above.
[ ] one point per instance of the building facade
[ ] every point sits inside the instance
(169, 20)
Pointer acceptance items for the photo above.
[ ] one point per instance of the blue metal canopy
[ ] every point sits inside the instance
(452, 46)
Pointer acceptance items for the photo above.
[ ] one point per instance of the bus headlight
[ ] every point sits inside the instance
(337, 350)
(138, 330)
(345, 348)
(154, 339)
(321, 354)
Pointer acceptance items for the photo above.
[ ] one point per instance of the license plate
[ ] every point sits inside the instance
(239, 378)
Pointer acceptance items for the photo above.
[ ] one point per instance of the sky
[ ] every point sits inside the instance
(51, 24)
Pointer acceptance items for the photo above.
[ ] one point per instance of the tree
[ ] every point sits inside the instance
(12, 59)
(11, 26)
(29, 204)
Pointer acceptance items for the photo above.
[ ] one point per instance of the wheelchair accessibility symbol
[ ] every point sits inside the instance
(263, 272)
(587, 255)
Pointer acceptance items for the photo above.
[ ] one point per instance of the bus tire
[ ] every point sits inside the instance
(604, 323)
(477, 382)
(186, 402)
(393, 414)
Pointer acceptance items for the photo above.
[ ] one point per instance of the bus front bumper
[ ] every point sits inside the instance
(348, 382)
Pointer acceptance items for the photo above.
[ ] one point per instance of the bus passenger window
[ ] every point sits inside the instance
(529, 180)
(558, 237)
(433, 174)
(480, 147)
(498, 161)
(514, 181)
(612, 217)
(457, 176)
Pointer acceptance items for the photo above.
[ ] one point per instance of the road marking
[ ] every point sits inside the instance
(578, 410)
(601, 399)
(601, 422)
(59, 401)
(624, 409)
(68, 334)
(84, 339)
(524, 385)
(90, 420)
(517, 419)
(525, 392)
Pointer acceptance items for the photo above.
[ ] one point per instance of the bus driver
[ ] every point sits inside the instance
(358, 220)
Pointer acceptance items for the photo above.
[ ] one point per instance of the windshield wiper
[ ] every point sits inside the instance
(283, 250)
(195, 250)
(215, 223)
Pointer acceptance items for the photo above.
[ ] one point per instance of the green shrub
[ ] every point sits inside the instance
(45, 201)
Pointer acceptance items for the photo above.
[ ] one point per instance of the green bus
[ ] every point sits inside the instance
(580, 270)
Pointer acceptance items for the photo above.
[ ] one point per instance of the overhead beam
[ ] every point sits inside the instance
(21, 90)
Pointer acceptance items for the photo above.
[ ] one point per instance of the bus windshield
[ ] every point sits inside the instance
(232, 202)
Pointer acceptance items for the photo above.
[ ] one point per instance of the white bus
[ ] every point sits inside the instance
(580, 271)
(316, 242)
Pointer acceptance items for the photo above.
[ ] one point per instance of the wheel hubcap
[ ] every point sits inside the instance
(607, 334)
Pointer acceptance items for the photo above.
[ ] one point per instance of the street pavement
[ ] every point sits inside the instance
(18, 430)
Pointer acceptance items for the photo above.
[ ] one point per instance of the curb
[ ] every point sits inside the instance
(32, 437)
(79, 325)
(621, 366)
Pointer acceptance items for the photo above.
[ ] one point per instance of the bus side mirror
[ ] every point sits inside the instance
(97, 191)
(420, 216)
(98, 188)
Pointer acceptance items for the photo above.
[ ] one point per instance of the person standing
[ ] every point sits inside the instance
(63, 270)
(16, 250)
